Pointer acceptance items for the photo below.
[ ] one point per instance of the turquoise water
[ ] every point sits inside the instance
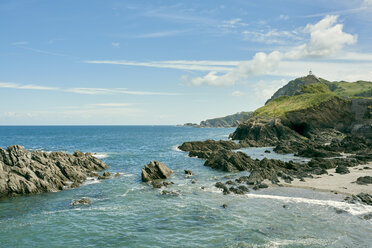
(128, 213)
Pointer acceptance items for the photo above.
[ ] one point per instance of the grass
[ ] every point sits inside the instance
(360, 89)
(312, 95)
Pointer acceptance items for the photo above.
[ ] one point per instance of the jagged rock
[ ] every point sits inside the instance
(342, 169)
(204, 149)
(361, 198)
(23, 172)
(224, 205)
(223, 187)
(264, 132)
(155, 170)
(82, 201)
(188, 172)
(364, 180)
(229, 161)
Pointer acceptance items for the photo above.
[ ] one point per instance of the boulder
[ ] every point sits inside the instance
(155, 170)
(23, 172)
(342, 169)
(364, 180)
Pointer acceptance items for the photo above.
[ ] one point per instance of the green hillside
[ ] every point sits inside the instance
(309, 96)
(358, 89)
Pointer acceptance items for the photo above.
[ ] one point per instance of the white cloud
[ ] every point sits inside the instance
(237, 93)
(112, 104)
(326, 38)
(115, 44)
(367, 3)
(261, 63)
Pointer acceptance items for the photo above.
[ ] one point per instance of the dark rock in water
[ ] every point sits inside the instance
(230, 161)
(243, 188)
(236, 191)
(155, 170)
(285, 206)
(224, 205)
(361, 197)
(342, 169)
(203, 149)
(340, 211)
(260, 186)
(105, 175)
(157, 184)
(223, 187)
(231, 182)
(171, 193)
(23, 172)
(193, 181)
(367, 216)
(82, 201)
(166, 184)
(117, 175)
(365, 198)
(267, 151)
(188, 172)
(364, 180)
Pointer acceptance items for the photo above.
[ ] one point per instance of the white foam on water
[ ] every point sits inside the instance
(304, 241)
(91, 180)
(175, 148)
(354, 209)
(126, 175)
(100, 155)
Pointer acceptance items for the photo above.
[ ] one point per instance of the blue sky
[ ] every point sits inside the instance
(169, 62)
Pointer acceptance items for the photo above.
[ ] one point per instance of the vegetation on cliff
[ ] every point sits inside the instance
(309, 96)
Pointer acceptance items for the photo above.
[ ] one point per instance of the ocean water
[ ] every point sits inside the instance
(127, 213)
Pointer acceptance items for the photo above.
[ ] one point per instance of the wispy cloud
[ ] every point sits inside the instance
(86, 91)
(19, 43)
(26, 86)
(115, 44)
(160, 34)
(179, 64)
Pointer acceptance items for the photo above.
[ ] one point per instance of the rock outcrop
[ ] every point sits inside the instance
(155, 170)
(25, 172)
(264, 132)
(203, 149)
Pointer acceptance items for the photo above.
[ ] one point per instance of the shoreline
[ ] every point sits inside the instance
(338, 183)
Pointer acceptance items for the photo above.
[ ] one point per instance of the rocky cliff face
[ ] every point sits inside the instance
(294, 86)
(24, 172)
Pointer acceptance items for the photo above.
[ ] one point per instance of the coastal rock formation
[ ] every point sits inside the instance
(264, 132)
(82, 201)
(203, 149)
(155, 170)
(24, 172)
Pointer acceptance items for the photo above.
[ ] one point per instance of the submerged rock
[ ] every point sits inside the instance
(155, 170)
(23, 172)
(82, 201)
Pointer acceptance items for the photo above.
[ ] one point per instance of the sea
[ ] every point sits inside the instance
(128, 213)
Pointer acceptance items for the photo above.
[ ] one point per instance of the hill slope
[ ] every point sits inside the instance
(361, 89)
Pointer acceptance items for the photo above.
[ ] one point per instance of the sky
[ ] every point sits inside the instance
(94, 62)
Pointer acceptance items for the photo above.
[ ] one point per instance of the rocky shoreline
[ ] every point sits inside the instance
(24, 172)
